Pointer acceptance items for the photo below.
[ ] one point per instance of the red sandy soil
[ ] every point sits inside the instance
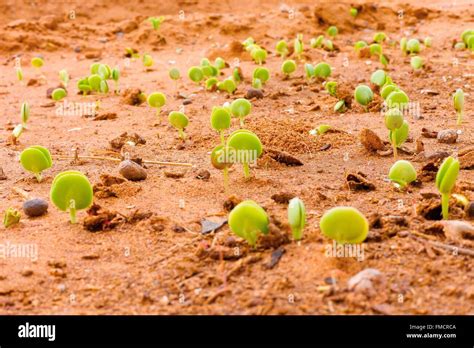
(162, 264)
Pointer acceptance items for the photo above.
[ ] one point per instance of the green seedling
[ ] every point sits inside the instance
(375, 49)
(353, 12)
(298, 45)
(413, 46)
(445, 180)
(179, 121)
(363, 95)
(403, 45)
(397, 99)
(211, 83)
(207, 70)
(248, 220)
(259, 55)
(64, 77)
(36, 159)
(220, 120)
(288, 67)
(37, 62)
(317, 42)
(175, 75)
(400, 135)
(237, 75)
(195, 74)
(84, 86)
(332, 31)
(248, 147)
(378, 78)
(309, 71)
(156, 100)
(359, 45)
(428, 41)
(393, 121)
(402, 173)
(384, 60)
(227, 85)
(94, 81)
(322, 70)
(380, 37)
(94, 68)
(416, 62)
(71, 191)
(156, 22)
(116, 77)
(466, 35)
(17, 132)
(345, 225)
(19, 74)
(328, 45)
(25, 113)
(248, 43)
(219, 63)
(241, 108)
(220, 160)
(320, 130)
(147, 61)
(131, 53)
(296, 217)
(205, 62)
(331, 86)
(340, 106)
(458, 100)
(459, 46)
(11, 217)
(58, 94)
(257, 84)
(387, 89)
(104, 87)
(263, 74)
(104, 71)
(282, 48)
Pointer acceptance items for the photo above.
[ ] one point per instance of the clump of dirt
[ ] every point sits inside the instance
(118, 142)
(359, 182)
(113, 186)
(100, 219)
(133, 96)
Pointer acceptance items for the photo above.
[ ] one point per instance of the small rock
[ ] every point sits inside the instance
(470, 210)
(207, 226)
(35, 207)
(425, 132)
(132, 171)
(275, 258)
(364, 281)
(282, 197)
(27, 272)
(187, 101)
(203, 174)
(254, 93)
(174, 175)
(447, 136)
(2, 174)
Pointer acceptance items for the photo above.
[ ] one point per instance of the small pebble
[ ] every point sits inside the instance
(203, 174)
(35, 207)
(132, 171)
(447, 136)
(470, 210)
(254, 93)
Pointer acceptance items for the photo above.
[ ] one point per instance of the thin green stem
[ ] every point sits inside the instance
(182, 135)
(38, 176)
(394, 145)
(459, 118)
(242, 125)
(72, 211)
(246, 170)
(445, 205)
(221, 133)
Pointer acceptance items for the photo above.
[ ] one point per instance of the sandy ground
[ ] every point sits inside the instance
(157, 261)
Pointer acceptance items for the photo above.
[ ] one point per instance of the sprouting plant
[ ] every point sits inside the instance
(378, 77)
(58, 94)
(400, 135)
(248, 43)
(321, 129)
(84, 86)
(227, 85)
(353, 12)
(375, 49)
(393, 121)
(12, 216)
(466, 35)
(445, 181)
(309, 70)
(331, 86)
(322, 70)
(346, 225)
(403, 44)
(317, 42)
(397, 99)
(383, 60)
(25, 113)
(104, 87)
(220, 159)
(241, 108)
(340, 106)
(248, 220)
(282, 48)
(262, 74)
(36, 159)
(259, 55)
(237, 75)
(257, 84)
(195, 74)
(288, 67)
(359, 45)
(296, 217)
(328, 45)
(219, 63)
(64, 77)
(211, 83)
(413, 46)
(156, 22)
(416, 62)
(179, 121)
(19, 74)
(17, 132)
(387, 89)
(156, 100)
(458, 100)
(220, 120)
(131, 53)
(116, 77)
(298, 45)
(248, 148)
(460, 46)
(428, 41)
(71, 190)
(332, 31)
(402, 173)
(363, 95)
(380, 37)
(147, 60)
(37, 62)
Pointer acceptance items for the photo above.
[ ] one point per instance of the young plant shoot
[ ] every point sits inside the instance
(262, 74)
(175, 75)
(19, 74)
(363, 95)
(220, 121)
(11, 217)
(333, 31)
(241, 108)
(58, 94)
(282, 48)
(247, 146)
(71, 191)
(179, 121)
(413, 46)
(322, 70)
(402, 173)
(116, 77)
(37, 62)
(403, 45)
(156, 22)
(288, 67)
(296, 217)
(393, 121)
(195, 74)
(36, 159)
(25, 113)
(147, 61)
(416, 62)
(345, 225)
(317, 42)
(259, 55)
(378, 78)
(220, 159)
(64, 77)
(298, 46)
(228, 85)
(248, 220)
(458, 100)
(445, 180)
(156, 100)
